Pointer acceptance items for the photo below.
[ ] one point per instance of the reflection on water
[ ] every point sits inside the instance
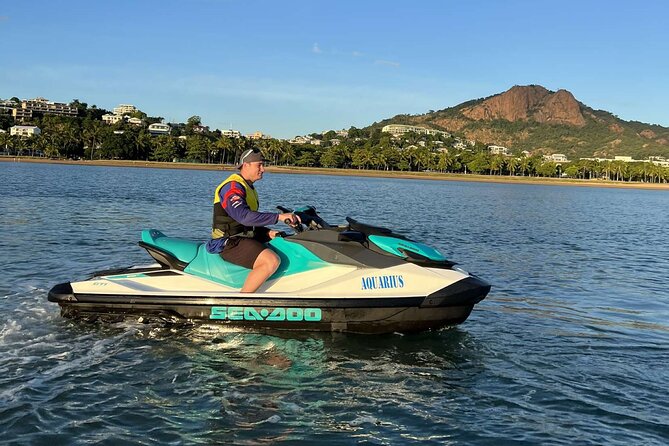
(567, 348)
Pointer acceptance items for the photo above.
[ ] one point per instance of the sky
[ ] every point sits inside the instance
(289, 68)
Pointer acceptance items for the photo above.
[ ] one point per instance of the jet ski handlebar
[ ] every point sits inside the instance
(308, 216)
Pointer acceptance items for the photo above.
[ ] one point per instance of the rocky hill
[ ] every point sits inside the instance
(542, 121)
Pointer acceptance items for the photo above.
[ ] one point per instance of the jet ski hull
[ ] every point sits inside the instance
(448, 306)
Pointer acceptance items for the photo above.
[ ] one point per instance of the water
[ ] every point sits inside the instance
(570, 347)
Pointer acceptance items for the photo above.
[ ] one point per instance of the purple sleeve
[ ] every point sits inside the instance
(233, 200)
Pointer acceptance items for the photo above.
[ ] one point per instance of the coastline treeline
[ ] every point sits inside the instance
(87, 137)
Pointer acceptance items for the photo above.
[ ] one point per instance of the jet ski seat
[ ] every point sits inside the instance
(182, 250)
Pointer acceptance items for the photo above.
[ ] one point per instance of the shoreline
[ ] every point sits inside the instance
(437, 176)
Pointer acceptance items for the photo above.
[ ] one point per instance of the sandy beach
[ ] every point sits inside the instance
(437, 176)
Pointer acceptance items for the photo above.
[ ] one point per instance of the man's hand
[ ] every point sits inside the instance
(273, 234)
(289, 218)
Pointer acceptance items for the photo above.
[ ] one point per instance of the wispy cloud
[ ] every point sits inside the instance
(388, 63)
(4, 18)
(316, 49)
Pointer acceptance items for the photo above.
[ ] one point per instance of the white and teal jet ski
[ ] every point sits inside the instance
(354, 278)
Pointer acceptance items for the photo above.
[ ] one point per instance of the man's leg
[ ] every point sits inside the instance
(264, 266)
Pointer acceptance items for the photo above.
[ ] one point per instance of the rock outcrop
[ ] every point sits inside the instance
(532, 102)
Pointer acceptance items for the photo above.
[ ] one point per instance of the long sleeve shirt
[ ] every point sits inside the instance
(233, 200)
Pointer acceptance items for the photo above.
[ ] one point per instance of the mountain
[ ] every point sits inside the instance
(538, 120)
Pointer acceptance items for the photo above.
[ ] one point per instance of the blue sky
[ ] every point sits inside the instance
(295, 67)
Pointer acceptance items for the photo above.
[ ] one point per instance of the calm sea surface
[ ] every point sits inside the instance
(570, 347)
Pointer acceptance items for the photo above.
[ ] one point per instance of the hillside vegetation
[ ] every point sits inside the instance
(540, 121)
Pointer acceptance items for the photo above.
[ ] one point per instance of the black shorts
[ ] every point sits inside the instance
(244, 251)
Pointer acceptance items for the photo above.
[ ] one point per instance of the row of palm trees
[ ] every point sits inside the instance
(93, 139)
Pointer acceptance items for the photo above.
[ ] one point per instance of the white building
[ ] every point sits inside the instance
(26, 108)
(111, 119)
(159, 129)
(231, 133)
(498, 150)
(135, 121)
(123, 109)
(400, 129)
(557, 158)
(25, 130)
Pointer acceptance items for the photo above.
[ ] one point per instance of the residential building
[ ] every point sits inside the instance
(307, 139)
(400, 129)
(498, 150)
(7, 106)
(26, 108)
(111, 119)
(556, 158)
(200, 128)
(135, 121)
(124, 109)
(159, 129)
(25, 130)
(231, 133)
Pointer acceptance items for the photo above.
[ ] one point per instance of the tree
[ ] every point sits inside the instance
(144, 145)
(480, 163)
(93, 133)
(5, 139)
(164, 149)
(197, 148)
(332, 157)
(547, 169)
(512, 164)
(226, 146)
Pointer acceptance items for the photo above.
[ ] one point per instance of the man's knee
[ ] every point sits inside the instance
(267, 260)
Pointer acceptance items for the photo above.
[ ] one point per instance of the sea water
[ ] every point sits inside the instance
(570, 347)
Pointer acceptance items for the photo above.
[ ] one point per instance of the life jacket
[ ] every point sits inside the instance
(225, 226)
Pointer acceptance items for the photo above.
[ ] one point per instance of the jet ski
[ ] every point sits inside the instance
(354, 277)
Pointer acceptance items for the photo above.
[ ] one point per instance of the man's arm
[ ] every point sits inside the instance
(233, 200)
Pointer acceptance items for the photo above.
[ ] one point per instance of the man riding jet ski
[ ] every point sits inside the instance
(354, 278)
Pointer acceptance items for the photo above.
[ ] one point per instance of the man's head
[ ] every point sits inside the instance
(251, 165)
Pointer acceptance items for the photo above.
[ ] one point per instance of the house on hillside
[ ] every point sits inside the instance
(159, 129)
(25, 131)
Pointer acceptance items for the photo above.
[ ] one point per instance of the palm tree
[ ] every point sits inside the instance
(512, 164)
(524, 164)
(496, 163)
(93, 134)
(288, 156)
(39, 143)
(5, 139)
(225, 145)
(20, 144)
(144, 145)
(165, 148)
